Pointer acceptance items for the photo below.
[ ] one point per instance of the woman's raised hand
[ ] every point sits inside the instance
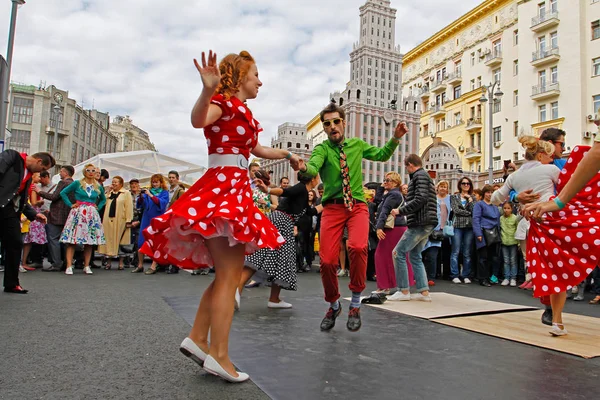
(209, 72)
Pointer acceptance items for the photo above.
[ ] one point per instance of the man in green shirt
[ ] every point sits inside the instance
(339, 162)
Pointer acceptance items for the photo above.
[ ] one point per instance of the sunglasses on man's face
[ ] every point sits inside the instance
(328, 122)
(558, 142)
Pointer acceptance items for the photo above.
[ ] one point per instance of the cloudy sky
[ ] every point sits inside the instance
(134, 57)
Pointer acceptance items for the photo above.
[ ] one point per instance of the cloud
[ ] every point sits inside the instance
(135, 57)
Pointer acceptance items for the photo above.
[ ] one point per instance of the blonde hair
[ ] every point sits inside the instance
(395, 177)
(533, 146)
(82, 181)
(442, 182)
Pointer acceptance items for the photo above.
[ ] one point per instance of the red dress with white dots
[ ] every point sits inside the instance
(218, 204)
(563, 249)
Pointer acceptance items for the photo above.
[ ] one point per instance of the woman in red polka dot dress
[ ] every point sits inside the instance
(216, 222)
(562, 250)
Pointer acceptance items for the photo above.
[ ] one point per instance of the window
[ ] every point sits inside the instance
(596, 66)
(516, 67)
(553, 6)
(516, 156)
(88, 135)
(497, 164)
(472, 59)
(80, 154)
(497, 133)
(554, 109)
(87, 154)
(596, 103)
(297, 145)
(515, 37)
(22, 112)
(74, 153)
(497, 48)
(457, 92)
(516, 98)
(497, 75)
(76, 119)
(458, 67)
(516, 128)
(596, 29)
(554, 40)
(497, 106)
(542, 44)
(20, 140)
(554, 74)
(478, 81)
(542, 113)
(542, 78)
(457, 119)
(56, 117)
(542, 9)
(472, 84)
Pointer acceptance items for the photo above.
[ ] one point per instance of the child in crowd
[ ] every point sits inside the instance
(508, 226)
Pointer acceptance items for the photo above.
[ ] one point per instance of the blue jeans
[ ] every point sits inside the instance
(412, 243)
(462, 242)
(509, 253)
(430, 257)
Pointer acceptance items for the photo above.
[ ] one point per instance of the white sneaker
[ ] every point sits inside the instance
(505, 282)
(342, 272)
(281, 304)
(87, 270)
(513, 282)
(456, 280)
(556, 331)
(21, 269)
(420, 297)
(467, 281)
(381, 291)
(399, 296)
(69, 271)
(238, 299)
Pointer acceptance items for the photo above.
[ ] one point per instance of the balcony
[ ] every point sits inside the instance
(50, 131)
(546, 56)
(472, 153)
(474, 124)
(454, 78)
(438, 111)
(494, 58)
(544, 21)
(424, 94)
(543, 92)
(438, 87)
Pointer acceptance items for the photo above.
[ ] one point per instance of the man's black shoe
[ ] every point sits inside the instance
(547, 317)
(329, 320)
(51, 269)
(172, 269)
(354, 323)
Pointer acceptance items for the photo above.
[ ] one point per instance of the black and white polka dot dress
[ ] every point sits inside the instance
(278, 265)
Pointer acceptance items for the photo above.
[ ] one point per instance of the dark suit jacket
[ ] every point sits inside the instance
(59, 211)
(12, 172)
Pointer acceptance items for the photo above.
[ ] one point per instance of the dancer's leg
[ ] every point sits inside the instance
(247, 273)
(558, 303)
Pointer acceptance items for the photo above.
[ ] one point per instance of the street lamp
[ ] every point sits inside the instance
(56, 111)
(9, 54)
(494, 96)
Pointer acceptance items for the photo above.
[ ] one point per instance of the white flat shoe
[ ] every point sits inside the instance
(281, 304)
(213, 367)
(191, 350)
(556, 331)
(238, 299)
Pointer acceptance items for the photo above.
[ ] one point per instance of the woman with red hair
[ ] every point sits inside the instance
(216, 221)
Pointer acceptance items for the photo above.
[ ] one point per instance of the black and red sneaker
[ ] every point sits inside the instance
(329, 320)
(354, 322)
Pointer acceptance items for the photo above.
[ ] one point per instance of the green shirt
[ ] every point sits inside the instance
(508, 226)
(325, 161)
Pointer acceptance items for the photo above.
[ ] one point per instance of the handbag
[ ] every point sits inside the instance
(389, 222)
(437, 236)
(449, 229)
(126, 248)
(492, 236)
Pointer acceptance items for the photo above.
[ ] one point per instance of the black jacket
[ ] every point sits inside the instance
(12, 172)
(393, 199)
(421, 202)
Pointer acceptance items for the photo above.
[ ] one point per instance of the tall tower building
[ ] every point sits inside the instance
(370, 99)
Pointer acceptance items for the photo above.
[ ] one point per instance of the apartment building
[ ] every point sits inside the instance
(509, 55)
(131, 137)
(40, 115)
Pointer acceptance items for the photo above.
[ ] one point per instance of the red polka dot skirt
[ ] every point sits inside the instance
(562, 250)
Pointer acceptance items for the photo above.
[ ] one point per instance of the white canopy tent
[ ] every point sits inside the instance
(142, 165)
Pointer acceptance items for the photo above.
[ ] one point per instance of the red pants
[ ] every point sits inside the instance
(333, 220)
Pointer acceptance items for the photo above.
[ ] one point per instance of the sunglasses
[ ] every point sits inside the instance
(388, 180)
(90, 170)
(328, 122)
(465, 183)
(562, 144)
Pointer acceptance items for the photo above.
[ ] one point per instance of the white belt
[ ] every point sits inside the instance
(227, 160)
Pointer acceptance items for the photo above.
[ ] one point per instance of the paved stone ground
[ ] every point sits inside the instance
(112, 335)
